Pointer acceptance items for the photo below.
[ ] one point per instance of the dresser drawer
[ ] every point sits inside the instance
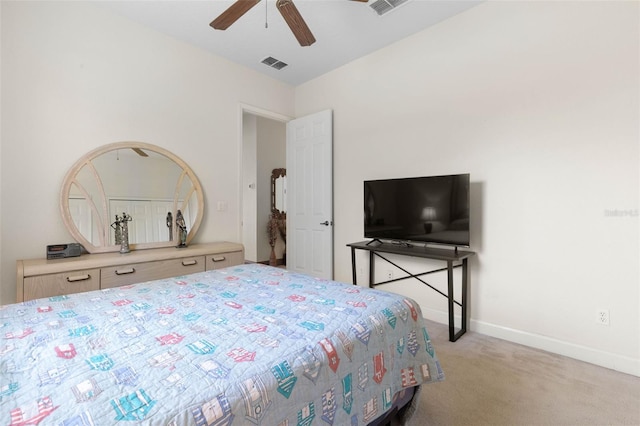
(117, 276)
(222, 260)
(50, 285)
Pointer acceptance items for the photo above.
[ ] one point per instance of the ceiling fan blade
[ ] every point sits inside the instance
(232, 14)
(290, 13)
(140, 152)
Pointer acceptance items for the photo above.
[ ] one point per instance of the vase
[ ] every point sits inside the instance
(272, 259)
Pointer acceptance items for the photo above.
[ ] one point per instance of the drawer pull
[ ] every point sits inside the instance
(218, 258)
(125, 271)
(79, 278)
(189, 262)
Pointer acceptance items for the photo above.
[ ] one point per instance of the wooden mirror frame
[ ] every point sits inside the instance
(101, 205)
(275, 174)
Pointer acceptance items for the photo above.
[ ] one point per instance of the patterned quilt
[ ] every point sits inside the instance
(245, 345)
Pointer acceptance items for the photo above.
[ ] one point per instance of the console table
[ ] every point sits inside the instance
(453, 259)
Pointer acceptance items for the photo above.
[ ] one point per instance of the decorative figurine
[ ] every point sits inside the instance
(117, 231)
(182, 229)
(170, 225)
(124, 226)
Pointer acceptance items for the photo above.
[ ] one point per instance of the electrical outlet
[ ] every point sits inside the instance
(602, 316)
(389, 274)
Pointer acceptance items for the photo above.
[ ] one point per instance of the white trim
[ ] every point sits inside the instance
(604, 359)
(609, 360)
(263, 113)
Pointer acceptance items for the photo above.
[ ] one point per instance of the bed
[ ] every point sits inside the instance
(249, 344)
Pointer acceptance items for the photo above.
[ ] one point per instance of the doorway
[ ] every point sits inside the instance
(307, 151)
(263, 150)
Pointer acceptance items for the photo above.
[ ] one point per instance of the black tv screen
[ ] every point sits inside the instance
(430, 209)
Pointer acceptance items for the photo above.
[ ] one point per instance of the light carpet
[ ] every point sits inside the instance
(494, 382)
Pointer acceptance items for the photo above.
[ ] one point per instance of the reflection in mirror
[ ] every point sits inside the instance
(146, 182)
(277, 225)
(279, 190)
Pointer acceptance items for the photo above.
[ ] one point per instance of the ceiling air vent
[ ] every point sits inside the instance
(384, 6)
(274, 63)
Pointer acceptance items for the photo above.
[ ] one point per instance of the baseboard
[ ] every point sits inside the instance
(605, 359)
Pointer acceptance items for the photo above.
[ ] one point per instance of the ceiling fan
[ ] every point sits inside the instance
(287, 9)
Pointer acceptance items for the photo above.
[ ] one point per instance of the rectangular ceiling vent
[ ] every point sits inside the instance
(274, 63)
(385, 6)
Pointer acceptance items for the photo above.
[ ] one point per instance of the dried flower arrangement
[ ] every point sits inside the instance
(272, 230)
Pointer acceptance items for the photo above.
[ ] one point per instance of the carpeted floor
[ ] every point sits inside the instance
(494, 382)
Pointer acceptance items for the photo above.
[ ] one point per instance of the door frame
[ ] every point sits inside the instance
(261, 112)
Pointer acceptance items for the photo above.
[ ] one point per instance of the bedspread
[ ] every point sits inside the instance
(248, 344)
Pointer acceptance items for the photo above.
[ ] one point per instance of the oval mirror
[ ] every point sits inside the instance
(148, 183)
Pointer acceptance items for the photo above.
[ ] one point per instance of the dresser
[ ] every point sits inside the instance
(37, 278)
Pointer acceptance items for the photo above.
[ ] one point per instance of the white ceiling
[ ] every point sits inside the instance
(345, 30)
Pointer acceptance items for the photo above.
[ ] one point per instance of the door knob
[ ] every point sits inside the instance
(326, 223)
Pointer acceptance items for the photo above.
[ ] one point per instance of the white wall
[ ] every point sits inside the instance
(539, 101)
(74, 78)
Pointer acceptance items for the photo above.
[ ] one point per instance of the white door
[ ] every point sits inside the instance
(310, 195)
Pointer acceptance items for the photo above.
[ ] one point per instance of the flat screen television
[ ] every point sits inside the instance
(430, 209)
